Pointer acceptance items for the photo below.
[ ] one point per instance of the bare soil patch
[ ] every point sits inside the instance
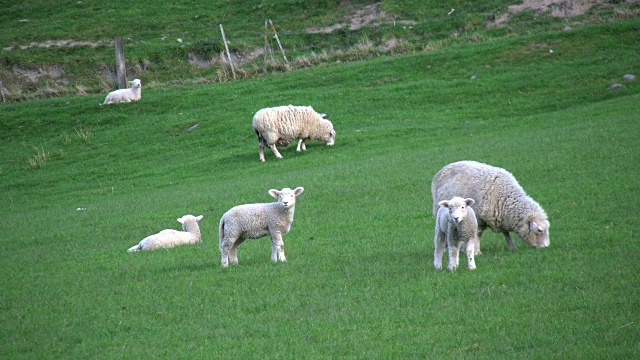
(370, 15)
(555, 8)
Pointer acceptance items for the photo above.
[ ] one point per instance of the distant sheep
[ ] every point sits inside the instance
(500, 202)
(134, 93)
(456, 225)
(169, 238)
(279, 126)
(253, 221)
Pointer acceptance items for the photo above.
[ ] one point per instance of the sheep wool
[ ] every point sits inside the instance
(253, 221)
(169, 238)
(500, 202)
(134, 93)
(456, 225)
(279, 126)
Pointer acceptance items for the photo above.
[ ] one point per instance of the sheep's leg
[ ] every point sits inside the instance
(277, 248)
(454, 249)
(301, 146)
(233, 252)
(510, 243)
(225, 248)
(439, 245)
(470, 250)
(275, 151)
(261, 149)
(477, 240)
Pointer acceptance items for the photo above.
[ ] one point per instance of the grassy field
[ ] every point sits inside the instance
(80, 184)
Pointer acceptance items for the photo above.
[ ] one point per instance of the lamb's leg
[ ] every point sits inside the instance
(470, 250)
(454, 249)
(275, 151)
(261, 150)
(301, 146)
(233, 255)
(439, 245)
(277, 248)
(225, 248)
(510, 243)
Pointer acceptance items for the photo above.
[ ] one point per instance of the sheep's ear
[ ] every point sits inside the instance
(444, 203)
(275, 193)
(199, 218)
(180, 220)
(469, 201)
(298, 190)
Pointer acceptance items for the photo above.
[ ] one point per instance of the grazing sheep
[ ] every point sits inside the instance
(253, 221)
(134, 93)
(279, 126)
(456, 225)
(500, 202)
(169, 238)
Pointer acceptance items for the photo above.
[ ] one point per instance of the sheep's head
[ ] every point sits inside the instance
(135, 83)
(457, 207)
(535, 230)
(189, 220)
(286, 197)
(330, 134)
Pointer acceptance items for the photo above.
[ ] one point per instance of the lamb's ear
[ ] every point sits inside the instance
(275, 193)
(444, 203)
(180, 220)
(198, 218)
(469, 201)
(297, 191)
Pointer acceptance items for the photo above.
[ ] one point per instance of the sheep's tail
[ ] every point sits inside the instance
(221, 229)
(135, 248)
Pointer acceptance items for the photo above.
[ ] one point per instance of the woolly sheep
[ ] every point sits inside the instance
(456, 225)
(169, 238)
(253, 221)
(134, 93)
(279, 126)
(500, 202)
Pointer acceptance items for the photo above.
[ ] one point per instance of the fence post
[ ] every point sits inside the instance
(2, 92)
(279, 45)
(224, 38)
(121, 70)
(266, 37)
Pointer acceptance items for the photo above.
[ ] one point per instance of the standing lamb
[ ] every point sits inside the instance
(500, 202)
(134, 93)
(169, 238)
(279, 126)
(253, 221)
(456, 225)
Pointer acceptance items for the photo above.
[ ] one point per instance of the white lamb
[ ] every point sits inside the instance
(134, 93)
(500, 202)
(169, 238)
(253, 221)
(279, 126)
(456, 225)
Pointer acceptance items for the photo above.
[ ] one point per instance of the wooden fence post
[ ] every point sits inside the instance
(121, 70)
(279, 45)
(224, 38)
(2, 92)
(266, 37)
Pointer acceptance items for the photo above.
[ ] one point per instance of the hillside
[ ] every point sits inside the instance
(66, 48)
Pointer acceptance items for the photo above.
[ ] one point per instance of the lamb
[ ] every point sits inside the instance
(134, 93)
(279, 126)
(253, 221)
(500, 202)
(456, 225)
(169, 238)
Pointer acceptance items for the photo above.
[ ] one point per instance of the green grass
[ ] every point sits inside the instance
(359, 281)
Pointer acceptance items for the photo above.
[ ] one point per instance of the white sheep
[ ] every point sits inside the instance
(170, 238)
(253, 221)
(279, 126)
(134, 93)
(456, 225)
(500, 202)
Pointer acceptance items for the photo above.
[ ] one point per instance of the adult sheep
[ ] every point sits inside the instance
(279, 126)
(253, 221)
(134, 93)
(500, 202)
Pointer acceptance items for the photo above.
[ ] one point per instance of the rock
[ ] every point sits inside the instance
(615, 87)
(473, 77)
(567, 28)
(629, 77)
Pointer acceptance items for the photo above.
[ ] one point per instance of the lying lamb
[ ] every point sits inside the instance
(456, 225)
(134, 93)
(170, 238)
(500, 202)
(253, 221)
(279, 126)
